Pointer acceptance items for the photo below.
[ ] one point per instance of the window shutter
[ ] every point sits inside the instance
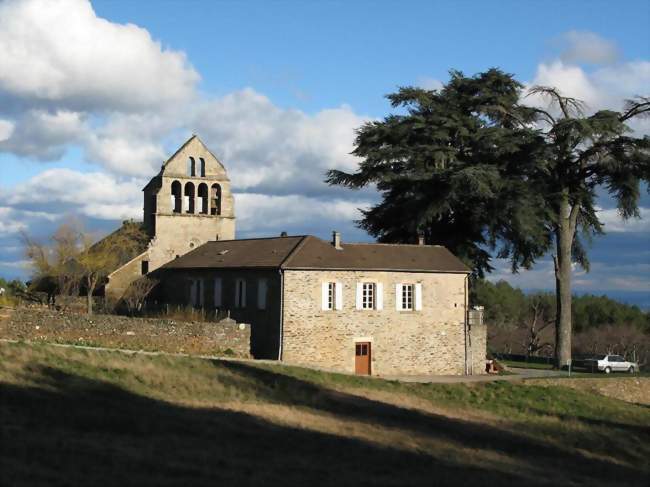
(217, 292)
(192, 292)
(243, 293)
(379, 301)
(359, 295)
(418, 297)
(261, 293)
(324, 293)
(398, 297)
(237, 291)
(338, 301)
(200, 291)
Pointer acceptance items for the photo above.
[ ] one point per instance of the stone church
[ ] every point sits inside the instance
(187, 204)
(372, 309)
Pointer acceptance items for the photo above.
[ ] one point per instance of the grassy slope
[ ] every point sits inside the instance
(100, 418)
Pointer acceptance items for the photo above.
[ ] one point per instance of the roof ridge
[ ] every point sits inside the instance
(390, 244)
(256, 238)
(294, 250)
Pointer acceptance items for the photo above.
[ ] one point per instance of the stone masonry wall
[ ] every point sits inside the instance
(113, 331)
(265, 323)
(430, 341)
(178, 233)
(478, 342)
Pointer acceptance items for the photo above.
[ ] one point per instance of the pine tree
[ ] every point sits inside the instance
(472, 168)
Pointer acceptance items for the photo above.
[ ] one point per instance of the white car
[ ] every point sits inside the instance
(607, 364)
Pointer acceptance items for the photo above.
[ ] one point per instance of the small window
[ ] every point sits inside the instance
(332, 296)
(196, 293)
(240, 293)
(262, 289)
(361, 349)
(191, 167)
(368, 296)
(202, 167)
(217, 292)
(144, 267)
(407, 296)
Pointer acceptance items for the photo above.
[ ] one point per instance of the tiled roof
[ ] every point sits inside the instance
(308, 252)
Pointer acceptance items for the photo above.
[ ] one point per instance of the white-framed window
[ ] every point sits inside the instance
(370, 295)
(331, 296)
(408, 297)
(240, 293)
(262, 289)
(217, 292)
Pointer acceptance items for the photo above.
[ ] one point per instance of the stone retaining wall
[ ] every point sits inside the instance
(154, 334)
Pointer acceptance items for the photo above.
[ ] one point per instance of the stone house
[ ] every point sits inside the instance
(367, 308)
(377, 309)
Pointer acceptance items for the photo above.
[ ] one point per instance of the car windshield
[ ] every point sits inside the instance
(598, 357)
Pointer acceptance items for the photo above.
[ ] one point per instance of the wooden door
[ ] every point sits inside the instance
(362, 358)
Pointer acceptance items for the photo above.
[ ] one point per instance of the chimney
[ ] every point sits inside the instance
(336, 240)
(283, 234)
(420, 239)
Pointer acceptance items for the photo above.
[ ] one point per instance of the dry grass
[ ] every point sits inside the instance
(78, 417)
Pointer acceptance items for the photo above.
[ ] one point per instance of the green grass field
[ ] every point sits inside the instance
(83, 417)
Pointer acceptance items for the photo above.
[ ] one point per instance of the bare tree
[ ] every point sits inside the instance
(538, 320)
(137, 293)
(72, 259)
(52, 262)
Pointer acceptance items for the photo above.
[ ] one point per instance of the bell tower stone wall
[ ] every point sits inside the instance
(187, 204)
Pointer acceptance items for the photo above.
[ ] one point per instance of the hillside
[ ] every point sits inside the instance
(81, 417)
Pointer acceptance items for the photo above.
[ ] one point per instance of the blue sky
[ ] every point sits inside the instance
(94, 96)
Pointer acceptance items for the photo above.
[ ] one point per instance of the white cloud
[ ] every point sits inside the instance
(68, 77)
(614, 223)
(16, 264)
(273, 150)
(429, 83)
(60, 51)
(61, 191)
(587, 47)
(275, 213)
(602, 277)
(10, 221)
(6, 129)
(605, 87)
(44, 135)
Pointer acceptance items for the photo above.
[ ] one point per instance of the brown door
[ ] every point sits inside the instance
(362, 358)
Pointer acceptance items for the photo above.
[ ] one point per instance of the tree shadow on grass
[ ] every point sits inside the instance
(70, 430)
(565, 463)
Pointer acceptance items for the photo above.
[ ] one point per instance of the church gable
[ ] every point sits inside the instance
(194, 159)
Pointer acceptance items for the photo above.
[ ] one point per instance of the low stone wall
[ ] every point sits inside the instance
(153, 334)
